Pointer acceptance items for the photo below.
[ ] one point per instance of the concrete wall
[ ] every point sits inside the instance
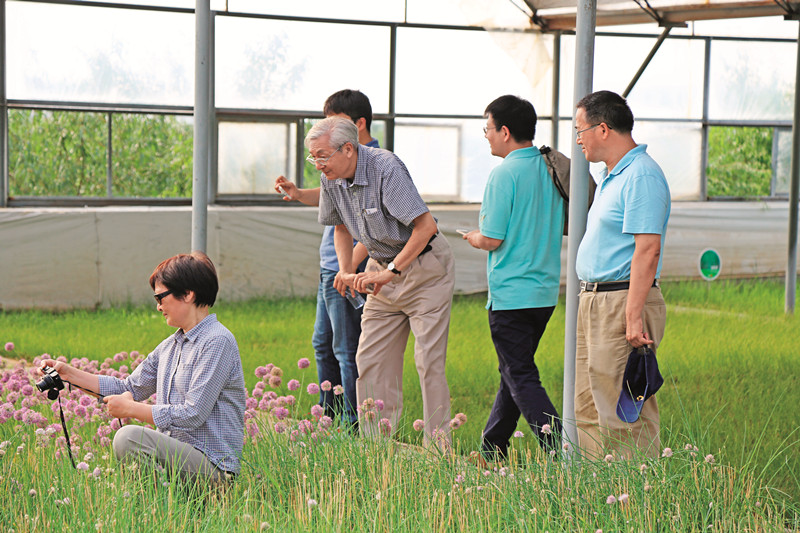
(98, 257)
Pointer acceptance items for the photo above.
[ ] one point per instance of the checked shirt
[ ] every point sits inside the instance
(199, 385)
(378, 207)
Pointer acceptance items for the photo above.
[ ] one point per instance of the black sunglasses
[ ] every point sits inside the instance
(160, 296)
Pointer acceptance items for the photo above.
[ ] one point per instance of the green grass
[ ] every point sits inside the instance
(728, 358)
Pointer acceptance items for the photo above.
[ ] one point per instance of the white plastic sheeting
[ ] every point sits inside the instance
(99, 257)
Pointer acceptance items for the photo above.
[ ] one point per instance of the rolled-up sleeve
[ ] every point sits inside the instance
(141, 383)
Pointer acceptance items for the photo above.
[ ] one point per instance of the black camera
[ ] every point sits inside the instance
(50, 382)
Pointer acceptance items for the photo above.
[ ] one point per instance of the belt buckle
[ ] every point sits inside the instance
(584, 285)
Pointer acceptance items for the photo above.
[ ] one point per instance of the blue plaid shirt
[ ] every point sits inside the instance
(378, 207)
(199, 385)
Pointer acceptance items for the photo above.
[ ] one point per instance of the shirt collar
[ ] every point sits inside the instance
(360, 177)
(196, 331)
(528, 151)
(627, 159)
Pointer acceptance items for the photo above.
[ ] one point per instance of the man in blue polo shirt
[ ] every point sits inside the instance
(521, 224)
(618, 263)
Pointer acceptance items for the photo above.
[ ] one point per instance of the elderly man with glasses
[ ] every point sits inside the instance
(619, 263)
(367, 194)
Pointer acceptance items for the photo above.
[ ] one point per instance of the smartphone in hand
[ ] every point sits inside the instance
(462, 231)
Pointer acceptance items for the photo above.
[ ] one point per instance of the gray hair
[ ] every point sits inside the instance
(340, 129)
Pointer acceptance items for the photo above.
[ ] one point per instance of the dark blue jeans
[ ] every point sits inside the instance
(335, 342)
(516, 334)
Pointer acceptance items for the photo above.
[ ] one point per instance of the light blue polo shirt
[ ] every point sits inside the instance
(327, 250)
(634, 198)
(522, 207)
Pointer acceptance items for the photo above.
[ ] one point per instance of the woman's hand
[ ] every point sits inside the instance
(120, 405)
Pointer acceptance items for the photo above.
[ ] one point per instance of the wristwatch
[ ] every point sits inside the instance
(391, 267)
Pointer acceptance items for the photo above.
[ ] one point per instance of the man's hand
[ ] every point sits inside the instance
(343, 282)
(371, 282)
(477, 240)
(120, 405)
(289, 189)
(635, 336)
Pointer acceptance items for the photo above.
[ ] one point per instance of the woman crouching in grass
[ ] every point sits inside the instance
(196, 374)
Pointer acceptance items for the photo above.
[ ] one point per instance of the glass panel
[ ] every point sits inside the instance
(56, 153)
(385, 10)
(253, 154)
(86, 54)
(770, 27)
(276, 64)
(783, 161)
(750, 80)
(677, 148)
(461, 72)
(152, 155)
(449, 159)
(739, 161)
(468, 13)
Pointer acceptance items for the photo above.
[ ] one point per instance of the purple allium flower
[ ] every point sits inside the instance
(419, 425)
(276, 371)
(667, 452)
(251, 403)
(303, 362)
(546, 429)
(119, 357)
(461, 417)
(97, 472)
(518, 434)
(261, 371)
(608, 458)
(305, 426)
(385, 427)
(710, 459)
(26, 390)
(325, 385)
(280, 412)
(611, 500)
(379, 404)
(325, 422)
(271, 395)
(293, 384)
(455, 423)
(86, 400)
(317, 410)
(264, 404)
(82, 466)
(275, 381)
(280, 427)
(623, 499)
(312, 503)
(338, 390)
(289, 400)
(9, 346)
(312, 388)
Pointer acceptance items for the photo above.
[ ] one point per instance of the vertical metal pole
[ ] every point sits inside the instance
(579, 199)
(794, 187)
(556, 89)
(109, 155)
(4, 192)
(392, 87)
(212, 114)
(201, 126)
(704, 147)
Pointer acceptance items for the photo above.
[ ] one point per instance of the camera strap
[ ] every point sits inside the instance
(66, 433)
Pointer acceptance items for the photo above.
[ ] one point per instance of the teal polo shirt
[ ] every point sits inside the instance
(634, 198)
(522, 207)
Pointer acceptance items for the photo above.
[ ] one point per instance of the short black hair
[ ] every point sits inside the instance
(608, 107)
(516, 114)
(188, 272)
(352, 103)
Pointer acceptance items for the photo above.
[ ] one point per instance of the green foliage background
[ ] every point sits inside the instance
(739, 161)
(64, 153)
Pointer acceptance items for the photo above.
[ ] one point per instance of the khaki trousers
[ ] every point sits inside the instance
(601, 355)
(419, 301)
(145, 444)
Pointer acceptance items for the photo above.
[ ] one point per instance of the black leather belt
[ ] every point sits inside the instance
(428, 246)
(603, 286)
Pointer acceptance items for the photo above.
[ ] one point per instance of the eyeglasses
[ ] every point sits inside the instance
(578, 133)
(160, 296)
(487, 128)
(322, 161)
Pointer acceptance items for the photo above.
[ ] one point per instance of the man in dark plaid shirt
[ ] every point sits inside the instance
(367, 194)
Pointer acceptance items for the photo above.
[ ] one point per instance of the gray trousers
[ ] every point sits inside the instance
(149, 446)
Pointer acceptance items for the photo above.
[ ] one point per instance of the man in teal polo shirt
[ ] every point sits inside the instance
(618, 263)
(521, 224)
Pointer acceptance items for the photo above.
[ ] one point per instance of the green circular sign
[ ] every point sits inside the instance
(710, 264)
